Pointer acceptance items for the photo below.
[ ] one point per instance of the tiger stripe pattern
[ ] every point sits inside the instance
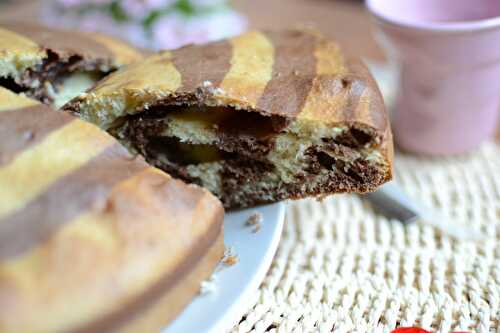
(92, 238)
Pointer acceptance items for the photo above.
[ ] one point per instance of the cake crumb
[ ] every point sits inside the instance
(321, 197)
(208, 286)
(255, 220)
(230, 258)
(256, 228)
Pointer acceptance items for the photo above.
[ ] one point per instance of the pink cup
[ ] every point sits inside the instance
(449, 57)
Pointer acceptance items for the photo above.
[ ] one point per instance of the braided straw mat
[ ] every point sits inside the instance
(340, 267)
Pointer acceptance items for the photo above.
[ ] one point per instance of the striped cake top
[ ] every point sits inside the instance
(297, 74)
(78, 214)
(25, 41)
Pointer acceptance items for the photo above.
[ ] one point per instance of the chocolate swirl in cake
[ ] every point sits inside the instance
(258, 118)
(38, 61)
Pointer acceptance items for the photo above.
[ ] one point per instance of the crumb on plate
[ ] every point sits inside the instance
(256, 228)
(230, 258)
(255, 220)
(208, 286)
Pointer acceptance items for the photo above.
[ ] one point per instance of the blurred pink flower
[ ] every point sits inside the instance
(167, 32)
(175, 30)
(172, 30)
(207, 3)
(79, 3)
(135, 35)
(129, 31)
(100, 22)
(97, 21)
(224, 24)
(141, 8)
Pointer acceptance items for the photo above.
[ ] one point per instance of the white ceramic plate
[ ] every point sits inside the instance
(219, 310)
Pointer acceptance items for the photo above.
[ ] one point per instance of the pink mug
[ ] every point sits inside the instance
(448, 52)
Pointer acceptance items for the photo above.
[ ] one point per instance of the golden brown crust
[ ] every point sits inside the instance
(165, 307)
(29, 40)
(171, 304)
(14, 43)
(122, 52)
(295, 74)
(82, 222)
(38, 60)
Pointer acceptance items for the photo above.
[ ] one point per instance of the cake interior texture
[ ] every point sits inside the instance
(248, 157)
(56, 80)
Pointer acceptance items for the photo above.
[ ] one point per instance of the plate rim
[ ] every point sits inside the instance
(238, 308)
(231, 306)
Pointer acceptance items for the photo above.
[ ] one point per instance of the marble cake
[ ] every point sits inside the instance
(54, 65)
(93, 239)
(258, 118)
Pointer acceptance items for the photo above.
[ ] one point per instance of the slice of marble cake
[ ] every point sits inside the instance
(258, 118)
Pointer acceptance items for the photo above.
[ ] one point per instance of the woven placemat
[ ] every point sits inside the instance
(340, 267)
